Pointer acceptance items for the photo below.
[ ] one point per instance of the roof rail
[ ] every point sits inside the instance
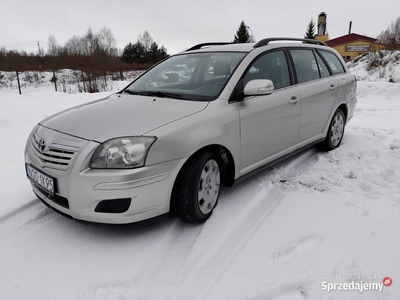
(265, 42)
(199, 46)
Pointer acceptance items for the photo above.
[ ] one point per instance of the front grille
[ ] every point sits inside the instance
(52, 208)
(60, 201)
(56, 198)
(55, 156)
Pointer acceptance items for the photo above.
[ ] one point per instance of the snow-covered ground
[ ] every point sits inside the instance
(68, 81)
(318, 217)
(377, 66)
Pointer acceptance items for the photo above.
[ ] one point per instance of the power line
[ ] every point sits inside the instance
(20, 43)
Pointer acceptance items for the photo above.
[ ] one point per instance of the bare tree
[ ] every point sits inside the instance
(391, 36)
(90, 43)
(107, 41)
(74, 46)
(53, 49)
(146, 40)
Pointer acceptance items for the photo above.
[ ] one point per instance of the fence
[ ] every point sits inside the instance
(69, 81)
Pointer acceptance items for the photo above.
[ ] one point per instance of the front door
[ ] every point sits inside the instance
(269, 124)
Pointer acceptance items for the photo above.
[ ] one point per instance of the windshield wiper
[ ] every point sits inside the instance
(135, 92)
(155, 93)
(164, 95)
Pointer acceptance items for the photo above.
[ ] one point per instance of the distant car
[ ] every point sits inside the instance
(171, 138)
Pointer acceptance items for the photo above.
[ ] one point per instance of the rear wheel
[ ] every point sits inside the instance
(335, 132)
(197, 188)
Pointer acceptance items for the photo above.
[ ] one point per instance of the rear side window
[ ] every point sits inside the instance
(323, 69)
(305, 64)
(334, 63)
(272, 66)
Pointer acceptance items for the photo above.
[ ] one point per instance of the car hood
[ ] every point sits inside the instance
(120, 115)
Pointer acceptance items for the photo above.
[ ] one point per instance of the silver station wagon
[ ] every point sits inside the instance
(197, 120)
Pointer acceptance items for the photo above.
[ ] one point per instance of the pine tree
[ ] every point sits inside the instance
(137, 53)
(243, 35)
(310, 32)
(127, 54)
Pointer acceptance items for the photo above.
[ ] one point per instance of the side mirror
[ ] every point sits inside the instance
(258, 87)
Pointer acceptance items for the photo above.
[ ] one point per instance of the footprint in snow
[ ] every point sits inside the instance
(395, 145)
(300, 246)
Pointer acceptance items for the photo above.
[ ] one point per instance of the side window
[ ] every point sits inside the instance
(323, 69)
(305, 64)
(334, 64)
(272, 66)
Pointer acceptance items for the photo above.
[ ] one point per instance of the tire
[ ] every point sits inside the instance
(335, 132)
(197, 188)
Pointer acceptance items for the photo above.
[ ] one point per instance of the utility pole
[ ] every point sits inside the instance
(39, 53)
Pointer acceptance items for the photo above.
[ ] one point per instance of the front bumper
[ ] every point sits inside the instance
(79, 190)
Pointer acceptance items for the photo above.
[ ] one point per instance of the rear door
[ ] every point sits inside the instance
(346, 80)
(318, 90)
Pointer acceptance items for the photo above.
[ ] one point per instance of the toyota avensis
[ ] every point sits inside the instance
(197, 120)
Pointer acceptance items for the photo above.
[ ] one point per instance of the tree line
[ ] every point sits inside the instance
(90, 51)
(391, 35)
(98, 51)
(94, 51)
(144, 50)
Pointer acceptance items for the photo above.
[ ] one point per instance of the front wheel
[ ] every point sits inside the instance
(335, 132)
(197, 188)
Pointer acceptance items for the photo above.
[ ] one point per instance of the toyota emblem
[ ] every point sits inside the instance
(42, 145)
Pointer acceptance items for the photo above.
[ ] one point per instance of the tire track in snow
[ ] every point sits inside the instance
(206, 273)
(295, 291)
(24, 218)
(174, 265)
(158, 270)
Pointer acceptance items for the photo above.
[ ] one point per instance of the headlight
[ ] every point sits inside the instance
(122, 153)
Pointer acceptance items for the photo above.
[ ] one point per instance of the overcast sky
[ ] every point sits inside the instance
(179, 24)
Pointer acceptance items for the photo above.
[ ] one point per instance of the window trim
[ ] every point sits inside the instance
(316, 61)
(324, 62)
(292, 70)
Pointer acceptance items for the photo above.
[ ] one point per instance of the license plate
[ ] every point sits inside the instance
(44, 181)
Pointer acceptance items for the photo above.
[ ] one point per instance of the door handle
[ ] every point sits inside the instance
(332, 87)
(294, 100)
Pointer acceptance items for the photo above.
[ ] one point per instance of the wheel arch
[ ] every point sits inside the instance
(344, 108)
(227, 165)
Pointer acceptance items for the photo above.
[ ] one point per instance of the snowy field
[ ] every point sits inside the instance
(68, 81)
(318, 217)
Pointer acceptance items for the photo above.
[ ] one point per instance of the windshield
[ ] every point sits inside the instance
(195, 76)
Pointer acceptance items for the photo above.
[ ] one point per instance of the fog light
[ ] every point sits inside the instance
(114, 206)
